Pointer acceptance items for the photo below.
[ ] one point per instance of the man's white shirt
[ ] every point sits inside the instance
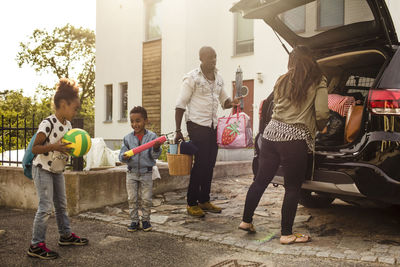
(200, 98)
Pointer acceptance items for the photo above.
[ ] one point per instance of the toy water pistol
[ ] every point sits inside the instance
(143, 147)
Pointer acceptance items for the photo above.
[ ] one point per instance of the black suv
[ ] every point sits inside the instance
(360, 56)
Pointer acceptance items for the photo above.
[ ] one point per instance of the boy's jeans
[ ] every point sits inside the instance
(140, 192)
(50, 188)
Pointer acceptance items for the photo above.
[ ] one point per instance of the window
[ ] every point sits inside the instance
(109, 101)
(124, 100)
(316, 17)
(244, 35)
(153, 20)
(330, 13)
(295, 19)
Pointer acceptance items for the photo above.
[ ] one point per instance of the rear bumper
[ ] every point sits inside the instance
(352, 179)
(372, 181)
(372, 169)
(348, 189)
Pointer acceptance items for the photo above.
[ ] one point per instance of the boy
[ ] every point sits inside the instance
(139, 183)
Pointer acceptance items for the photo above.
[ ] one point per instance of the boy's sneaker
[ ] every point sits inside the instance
(195, 211)
(146, 226)
(133, 227)
(208, 206)
(42, 252)
(72, 240)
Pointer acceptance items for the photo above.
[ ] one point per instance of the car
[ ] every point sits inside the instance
(360, 55)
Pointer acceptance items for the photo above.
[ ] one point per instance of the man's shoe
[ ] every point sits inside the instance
(72, 240)
(40, 251)
(208, 206)
(146, 226)
(195, 211)
(133, 227)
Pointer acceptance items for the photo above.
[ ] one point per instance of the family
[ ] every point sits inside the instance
(301, 108)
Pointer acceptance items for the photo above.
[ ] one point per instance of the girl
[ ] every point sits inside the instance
(47, 171)
(301, 106)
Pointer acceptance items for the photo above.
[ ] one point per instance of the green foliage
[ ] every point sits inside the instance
(66, 52)
(17, 110)
(163, 156)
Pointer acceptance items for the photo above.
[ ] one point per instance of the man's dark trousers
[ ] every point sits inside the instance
(205, 139)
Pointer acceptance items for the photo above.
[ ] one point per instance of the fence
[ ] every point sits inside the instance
(16, 134)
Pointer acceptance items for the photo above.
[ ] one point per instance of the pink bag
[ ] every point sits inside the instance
(234, 131)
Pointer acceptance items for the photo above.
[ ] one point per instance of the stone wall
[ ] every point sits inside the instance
(94, 189)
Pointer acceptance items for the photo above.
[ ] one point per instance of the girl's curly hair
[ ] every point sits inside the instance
(67, 90)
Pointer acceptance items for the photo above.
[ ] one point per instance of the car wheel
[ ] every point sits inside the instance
(310, 199)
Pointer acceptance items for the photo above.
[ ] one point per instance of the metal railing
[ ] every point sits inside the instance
(15, 136)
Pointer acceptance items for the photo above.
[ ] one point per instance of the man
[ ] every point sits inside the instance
(201, 91)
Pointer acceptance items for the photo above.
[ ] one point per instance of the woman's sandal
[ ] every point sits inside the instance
(249, 229)
(295, 238)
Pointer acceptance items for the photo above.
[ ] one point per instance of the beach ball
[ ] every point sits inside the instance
(80, 142)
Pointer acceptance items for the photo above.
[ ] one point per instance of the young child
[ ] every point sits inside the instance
(139, 183)
(47, 171)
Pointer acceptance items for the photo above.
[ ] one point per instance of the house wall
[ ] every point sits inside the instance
(119, 35)
(394, 7)
(186, 27)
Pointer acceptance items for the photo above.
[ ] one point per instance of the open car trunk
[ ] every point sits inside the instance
(350, 74)
(341, 26)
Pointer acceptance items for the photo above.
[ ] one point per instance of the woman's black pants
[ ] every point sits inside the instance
(292, 156)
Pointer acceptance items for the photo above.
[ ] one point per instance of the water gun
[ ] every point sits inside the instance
(143, 147)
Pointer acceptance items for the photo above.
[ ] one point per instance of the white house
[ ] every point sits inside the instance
(144, 47)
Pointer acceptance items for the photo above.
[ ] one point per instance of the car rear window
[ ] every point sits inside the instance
(318, 16)
(358, 85)
(359, 81)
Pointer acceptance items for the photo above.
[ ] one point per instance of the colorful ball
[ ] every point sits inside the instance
(80, 142)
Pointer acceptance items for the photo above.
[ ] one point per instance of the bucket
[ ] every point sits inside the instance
(179, 164)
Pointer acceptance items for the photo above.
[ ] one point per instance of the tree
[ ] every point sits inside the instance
(17, 110)
(66, 52)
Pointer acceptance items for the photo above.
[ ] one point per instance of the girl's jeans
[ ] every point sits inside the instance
(50, 188)
(140, 192)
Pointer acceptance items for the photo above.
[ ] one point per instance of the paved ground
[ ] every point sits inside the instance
(342, 232)
(111, 245)
(343, 235)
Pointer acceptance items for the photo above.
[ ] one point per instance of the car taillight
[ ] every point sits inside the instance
(384, 101)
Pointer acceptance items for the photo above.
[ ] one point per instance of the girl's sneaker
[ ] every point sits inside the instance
(42, 252)
(72, 240)
(146, 226)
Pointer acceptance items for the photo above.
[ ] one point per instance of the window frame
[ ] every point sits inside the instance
(121, 102)
(109, 108)
(148, 3)
(235, 36)
(325, 28)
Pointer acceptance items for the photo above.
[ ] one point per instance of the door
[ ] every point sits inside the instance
(248, 100)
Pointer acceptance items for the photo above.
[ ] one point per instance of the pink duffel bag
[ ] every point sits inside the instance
(234, 131)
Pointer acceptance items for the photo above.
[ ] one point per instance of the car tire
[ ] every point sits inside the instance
(314, 200)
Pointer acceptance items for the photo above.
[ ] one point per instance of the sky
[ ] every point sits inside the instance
(18, 19)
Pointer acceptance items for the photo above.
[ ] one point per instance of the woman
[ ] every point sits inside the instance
(301, 107)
